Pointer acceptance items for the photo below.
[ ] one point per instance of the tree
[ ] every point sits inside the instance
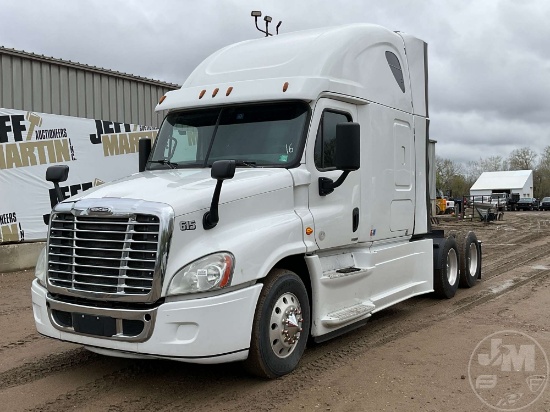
(446, 173)
(544, 161)
(474, 168)
(522, 159)
(494, 164)
(541, 175)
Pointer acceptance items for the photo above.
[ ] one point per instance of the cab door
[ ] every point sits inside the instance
(336, 215)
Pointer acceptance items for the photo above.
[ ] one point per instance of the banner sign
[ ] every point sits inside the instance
(96, 151)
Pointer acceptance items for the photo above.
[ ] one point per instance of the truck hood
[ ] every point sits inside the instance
(189, 190)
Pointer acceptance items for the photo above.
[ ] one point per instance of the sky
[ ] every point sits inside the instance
(489, 60)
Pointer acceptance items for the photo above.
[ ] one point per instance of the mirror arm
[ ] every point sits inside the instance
(327, 186)
(211, 218)
(58, 192)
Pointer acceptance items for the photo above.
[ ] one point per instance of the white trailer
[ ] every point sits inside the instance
(286, 196)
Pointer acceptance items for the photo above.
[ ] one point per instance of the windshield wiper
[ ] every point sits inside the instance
(247, 164)
(165, 162)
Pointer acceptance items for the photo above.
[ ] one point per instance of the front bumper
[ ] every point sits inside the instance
(207, 330)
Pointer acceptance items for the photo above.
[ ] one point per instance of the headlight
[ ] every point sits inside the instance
(41, 266)
(208, 273)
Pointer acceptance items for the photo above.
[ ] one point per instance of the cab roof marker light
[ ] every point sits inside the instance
(229, 90)
(201, 94)
(215, 92)
(285, 87)
(162, 99)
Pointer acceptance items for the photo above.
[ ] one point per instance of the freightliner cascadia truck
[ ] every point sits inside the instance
(284, 200)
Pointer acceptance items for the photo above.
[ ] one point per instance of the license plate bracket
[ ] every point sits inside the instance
(94, 324)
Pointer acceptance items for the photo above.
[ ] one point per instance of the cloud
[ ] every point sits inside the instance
(489, 64)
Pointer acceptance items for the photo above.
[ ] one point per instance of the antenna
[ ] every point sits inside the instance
(267, 19)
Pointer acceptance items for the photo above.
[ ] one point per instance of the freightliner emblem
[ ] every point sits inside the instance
(102, 210)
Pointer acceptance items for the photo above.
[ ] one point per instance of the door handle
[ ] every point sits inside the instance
(355, 219)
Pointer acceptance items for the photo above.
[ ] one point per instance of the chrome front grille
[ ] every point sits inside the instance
(118, 256)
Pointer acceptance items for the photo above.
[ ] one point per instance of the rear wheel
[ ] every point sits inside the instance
(446, 278)
(281, 326)
(469, 259)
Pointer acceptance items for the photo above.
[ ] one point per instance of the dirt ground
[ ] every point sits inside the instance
(413, 356)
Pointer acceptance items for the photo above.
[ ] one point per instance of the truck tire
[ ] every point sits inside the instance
(468, 259)
(281, 326)
(446, 278)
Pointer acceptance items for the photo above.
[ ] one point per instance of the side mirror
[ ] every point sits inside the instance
(57, 174)
(221, 170)
(348, 147)
(144, 152)
(347, 155)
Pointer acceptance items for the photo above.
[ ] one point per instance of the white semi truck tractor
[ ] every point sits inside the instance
(285, 197)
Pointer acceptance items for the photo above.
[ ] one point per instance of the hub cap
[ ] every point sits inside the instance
(452, 267)
(286, 325)
(472, 259)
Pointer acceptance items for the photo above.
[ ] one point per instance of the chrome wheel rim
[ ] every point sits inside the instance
(286, 325)
(452, 266)
(472, 259)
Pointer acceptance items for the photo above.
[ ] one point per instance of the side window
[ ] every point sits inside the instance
(395, 67)
(325, 141)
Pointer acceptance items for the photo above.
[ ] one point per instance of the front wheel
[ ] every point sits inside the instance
(281, 326)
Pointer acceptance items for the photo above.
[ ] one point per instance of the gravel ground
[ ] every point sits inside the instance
(412, 356)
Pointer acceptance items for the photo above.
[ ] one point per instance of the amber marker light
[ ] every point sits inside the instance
(229, 90)
(285, 87)
(215, 92)
(309, 231)
(162, 99)
(227, 274)
(202, 94)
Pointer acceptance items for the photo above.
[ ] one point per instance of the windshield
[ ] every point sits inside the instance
(253, 135)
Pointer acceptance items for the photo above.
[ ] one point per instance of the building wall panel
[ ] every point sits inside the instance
(27, 86)
(7, 80)
(56, 90)
(43, 84)
(36, 87)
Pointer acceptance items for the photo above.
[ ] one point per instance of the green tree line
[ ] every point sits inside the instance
(456, 178)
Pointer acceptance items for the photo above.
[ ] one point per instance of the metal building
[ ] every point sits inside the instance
(508, 181)
(43, 84)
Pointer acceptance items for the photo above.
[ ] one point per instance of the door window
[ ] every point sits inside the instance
(325, 142)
